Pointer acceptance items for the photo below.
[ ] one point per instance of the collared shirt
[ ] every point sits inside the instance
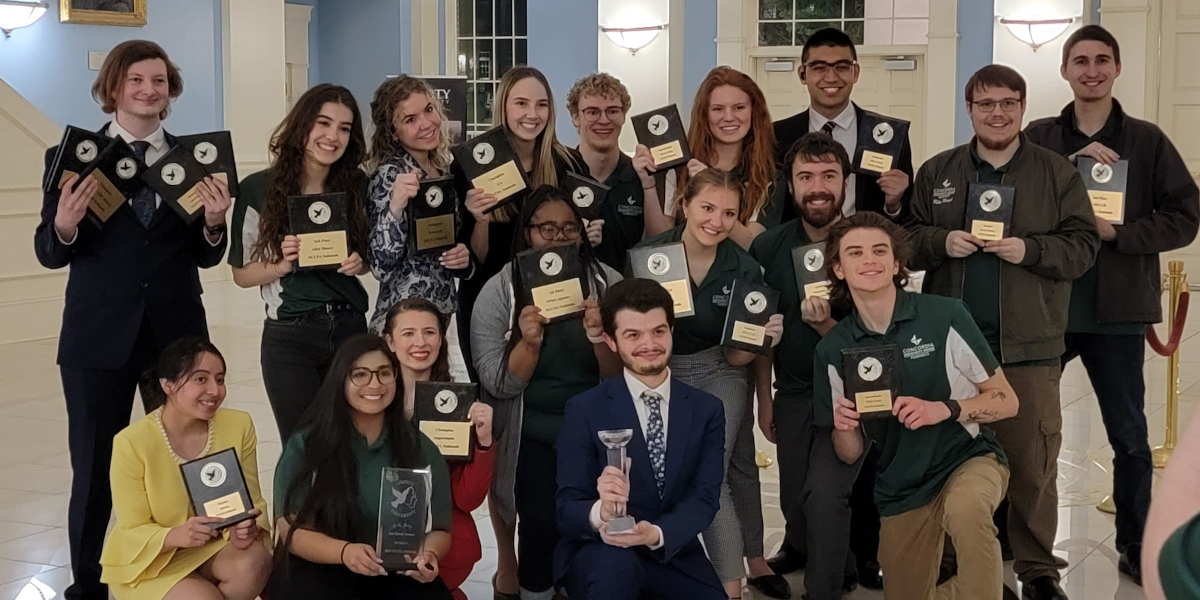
(637, 388)
(846, 134)
(158, 147)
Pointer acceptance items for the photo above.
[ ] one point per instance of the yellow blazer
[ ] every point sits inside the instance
(149, 499)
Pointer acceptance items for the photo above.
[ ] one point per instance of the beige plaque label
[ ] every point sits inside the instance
(435, 232)
(191, 201)
(874, 161)
(666, 153)
(453, 439)
(326, 248)
(501, 182)
(680, 293)
(819, 289)
(559, 299)
(1108, 205)
(871, 402)
(749, 334)
(988, 231)
(225, 506)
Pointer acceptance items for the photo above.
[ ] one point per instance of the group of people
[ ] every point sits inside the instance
(929, 499)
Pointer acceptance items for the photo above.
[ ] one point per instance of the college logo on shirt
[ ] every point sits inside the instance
(918, 349)
(944, 194)
(629, 208)
(721, 300)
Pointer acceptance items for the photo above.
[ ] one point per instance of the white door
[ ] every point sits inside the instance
(296, 50)
(1179, 96)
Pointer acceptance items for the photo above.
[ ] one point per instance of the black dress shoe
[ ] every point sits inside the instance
(1131, 566)
(869, 575)
(1043, 588)
(787, 561)
(771, 586)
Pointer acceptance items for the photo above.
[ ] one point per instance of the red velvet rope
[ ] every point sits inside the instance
(1176, 329)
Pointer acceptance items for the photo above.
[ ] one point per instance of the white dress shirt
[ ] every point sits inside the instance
(845, 133)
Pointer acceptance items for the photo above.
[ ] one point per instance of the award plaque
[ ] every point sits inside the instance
(989, 211)
(214, 153)
(809, 264)
(491, 165)
(750, 306)
(615, 441)
(666, 264)
(82, 152)
(176, 178)
(443, 413)
(586, 194)
(431, 216)
(872, 379)
(880, 141)
(404, 517)
(217, 488)
(1106, 187)
(662, 132)
(553, 281)
(321, 222)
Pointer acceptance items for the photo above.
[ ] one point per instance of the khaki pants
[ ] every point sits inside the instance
(910, 544)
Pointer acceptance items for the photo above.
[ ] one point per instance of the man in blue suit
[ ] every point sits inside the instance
(675, 469)
(134, 287)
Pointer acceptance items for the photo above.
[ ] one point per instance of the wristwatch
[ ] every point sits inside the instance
(955, 409)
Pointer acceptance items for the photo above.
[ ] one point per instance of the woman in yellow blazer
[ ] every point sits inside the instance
(158, 549)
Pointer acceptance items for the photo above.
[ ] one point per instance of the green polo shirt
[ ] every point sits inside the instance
(299, 292)
(710, 298)
(981, 286)
(943, 356)
(566, 367)
(794, 354)
(623, 213)
(1179, 562)
(370, 460)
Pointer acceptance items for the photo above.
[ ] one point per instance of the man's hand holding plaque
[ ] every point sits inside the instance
(214, 153)
(110, 162)
(751, 307)
(431, 216)
(320, 221)
(177, 178)
(553, 280)
(491, 164)
(1106, 187)
(404, 517)
(443, 413)
(872, 379)
(217, 488)
(666, 264)
(662, 131)
(880, 141)
(989, 211)
(809, 263)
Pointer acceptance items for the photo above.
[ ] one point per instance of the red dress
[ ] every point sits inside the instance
(469, 483)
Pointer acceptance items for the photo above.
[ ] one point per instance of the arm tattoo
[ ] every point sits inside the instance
(999, 395)
(982, 416)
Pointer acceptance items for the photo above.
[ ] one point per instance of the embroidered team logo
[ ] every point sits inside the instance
(944, 194)
(919, 349)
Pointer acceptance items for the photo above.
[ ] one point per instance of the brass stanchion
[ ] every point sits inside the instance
(1176, 285)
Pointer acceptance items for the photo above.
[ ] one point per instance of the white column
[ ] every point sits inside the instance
(425, 37)
(255, 76)
(731, 35)
(941, 88)
(1135, 25)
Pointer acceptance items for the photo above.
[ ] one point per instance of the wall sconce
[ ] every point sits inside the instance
(19, 13)
(1037, 31)
(633, 38)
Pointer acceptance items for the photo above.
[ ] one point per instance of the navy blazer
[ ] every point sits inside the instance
(122, 271)
(870, 196)
(695, 451)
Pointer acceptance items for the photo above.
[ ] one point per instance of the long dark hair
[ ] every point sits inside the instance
(441, 365)
(177, 362)
(287, 174)
(593, 272)
(328, 473)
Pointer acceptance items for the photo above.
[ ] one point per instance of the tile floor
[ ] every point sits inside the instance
(35, 470)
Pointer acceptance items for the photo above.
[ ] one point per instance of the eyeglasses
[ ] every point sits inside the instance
(593, 114)
(550, 231)
(820, 68)
(1007, 105)
(362, 376)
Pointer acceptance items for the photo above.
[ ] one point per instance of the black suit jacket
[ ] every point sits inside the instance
(869, 196)
(122, 272)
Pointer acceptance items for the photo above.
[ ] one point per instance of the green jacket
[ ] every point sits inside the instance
(1051, 213)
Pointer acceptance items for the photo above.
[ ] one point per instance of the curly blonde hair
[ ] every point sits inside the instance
(385, 144)
(597, 84)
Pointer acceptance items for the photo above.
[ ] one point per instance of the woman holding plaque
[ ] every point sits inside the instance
(530, 368)
(409, 145)
(731, 130)
(317, 149)
(710, 206)
(416, 333)
(158, 550)
(328, 489)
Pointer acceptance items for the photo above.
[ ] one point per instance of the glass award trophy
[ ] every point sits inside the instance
(615, 440)
(404, 517)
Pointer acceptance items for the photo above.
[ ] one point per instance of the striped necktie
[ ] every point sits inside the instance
(143, 202)
(827, 129)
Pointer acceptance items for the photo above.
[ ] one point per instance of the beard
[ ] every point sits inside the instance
(997, 144)
(641, 367)
(820, 217)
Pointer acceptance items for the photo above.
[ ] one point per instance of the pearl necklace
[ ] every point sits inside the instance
(207, 446)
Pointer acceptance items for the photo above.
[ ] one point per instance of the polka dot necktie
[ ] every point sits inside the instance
(143, 202)
(827, 129)
(656, 441)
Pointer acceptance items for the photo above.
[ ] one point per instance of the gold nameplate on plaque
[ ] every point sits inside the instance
(666, 153)
(501, 182)
(325, 248)
(749, 334)
(874, 161)
(680, 293)
(988, 231)
(225, 506)
(435, 232)
(1108, 205)
(819, 289)
(873, 402)
(107, 198)
(452, 439)
(558, 299)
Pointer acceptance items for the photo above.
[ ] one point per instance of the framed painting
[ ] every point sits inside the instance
(131, 13)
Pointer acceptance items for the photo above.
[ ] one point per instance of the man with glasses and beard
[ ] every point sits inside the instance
(1016, 288)
(814, 486)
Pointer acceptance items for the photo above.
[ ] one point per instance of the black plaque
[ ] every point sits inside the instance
(662, 132)
(872, 379)
(750, 307)
(214, 153)
(321, 221)
(109, 160)
(809, 264)
(666, 264)
(443, 413)
(587, 194)
(553, 281)
(452, 93)
(989, 211)
(491, 164)
(880, 140)
(177, 178)
(1106, 187)
(217, 488)
(404, 518)
(431, 216)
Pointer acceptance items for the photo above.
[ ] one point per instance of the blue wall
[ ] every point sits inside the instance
(361, 42)
(564, 45)
(976, 24)
(47, 62)
(699, 47)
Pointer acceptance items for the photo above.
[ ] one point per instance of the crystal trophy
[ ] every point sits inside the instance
(616, 440)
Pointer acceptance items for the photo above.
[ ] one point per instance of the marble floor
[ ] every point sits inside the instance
(35, 470)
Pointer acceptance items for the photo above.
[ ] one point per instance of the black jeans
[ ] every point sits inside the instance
(296, 353)
(1114, 366)
(299, 579)
(537, 532)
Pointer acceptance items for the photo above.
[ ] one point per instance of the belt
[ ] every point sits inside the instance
(336, 307)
